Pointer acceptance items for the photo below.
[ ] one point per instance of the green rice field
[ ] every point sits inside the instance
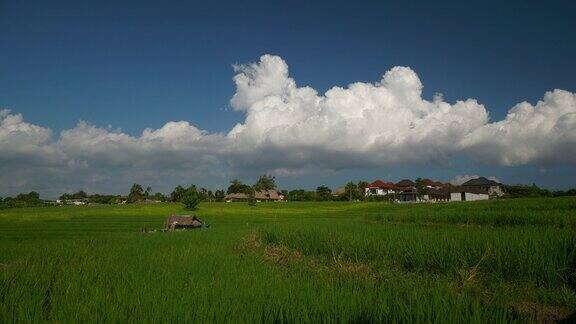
(479, 262)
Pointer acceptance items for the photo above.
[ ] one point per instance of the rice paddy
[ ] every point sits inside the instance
(490, 261)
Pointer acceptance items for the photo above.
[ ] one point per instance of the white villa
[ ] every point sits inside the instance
(405, 190)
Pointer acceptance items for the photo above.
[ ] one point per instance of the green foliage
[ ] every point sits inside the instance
(31, 199)
(219, 195)
(352, 192)
(323, 193)
(362, 187)
(236, 186)
(191, 198)
(421, 189)
(522, 191)
(158, 197)
(562, 193)
(77, 195)
(177, 194)
(265, 182)
(301, 195)
(95, 198)
(533, 191)
(251, 198)
(136, 193)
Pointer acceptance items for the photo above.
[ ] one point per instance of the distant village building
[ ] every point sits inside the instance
(262, 195)
(75, 202)
(380, 188)
(435, 191)
(462, 193)
(406, 191)
(491, 187)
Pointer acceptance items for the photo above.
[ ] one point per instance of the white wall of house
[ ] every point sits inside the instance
(457, 196)
(377, 191)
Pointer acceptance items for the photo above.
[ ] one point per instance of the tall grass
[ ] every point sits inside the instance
(94, 264)
(543, 256)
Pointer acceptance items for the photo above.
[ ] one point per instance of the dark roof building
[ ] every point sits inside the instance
(405, 183)
(493, 188)
(474, 190)
(480, 182)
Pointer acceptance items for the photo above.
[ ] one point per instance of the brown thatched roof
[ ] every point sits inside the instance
(259, 195)
(267, 195)
(183, 220)
(237, 195)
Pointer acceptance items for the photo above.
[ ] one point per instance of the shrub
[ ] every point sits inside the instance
(190, 199)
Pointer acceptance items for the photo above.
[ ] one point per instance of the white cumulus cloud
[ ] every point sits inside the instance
(542, 134)
(291, 129)
(365, 123)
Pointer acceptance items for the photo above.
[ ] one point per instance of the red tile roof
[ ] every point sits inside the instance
(379, 184)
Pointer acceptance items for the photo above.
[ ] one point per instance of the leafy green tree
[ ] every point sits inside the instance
(421, 189)
(219, 195)
(296, 195)
(177, 193)
(323, 193)
(32, 196)
(265, 182)
(519, 191)
(236, 186)
(351, 191)
(301, 195)
(362, 188)
(252, 198)
(203, 192)
(136, 193)
(158, 197)
(191, 198)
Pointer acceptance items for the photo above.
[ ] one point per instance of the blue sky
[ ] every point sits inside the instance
(137, 65)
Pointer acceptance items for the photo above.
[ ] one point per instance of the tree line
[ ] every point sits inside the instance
(191, 196)
(31, 199)
(533, 191)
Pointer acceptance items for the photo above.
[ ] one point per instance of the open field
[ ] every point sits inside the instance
(490, 261)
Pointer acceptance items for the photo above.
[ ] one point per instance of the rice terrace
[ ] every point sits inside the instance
(483, 262)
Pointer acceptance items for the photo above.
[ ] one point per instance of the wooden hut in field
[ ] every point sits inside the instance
(182, 221)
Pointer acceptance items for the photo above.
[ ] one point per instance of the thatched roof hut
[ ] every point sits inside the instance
(182, 221)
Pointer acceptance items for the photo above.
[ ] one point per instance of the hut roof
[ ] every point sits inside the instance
(182, 219)
(267, 195)
(237, 195)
